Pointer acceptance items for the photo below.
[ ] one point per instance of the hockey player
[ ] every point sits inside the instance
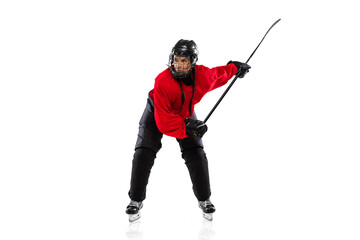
(170, 111)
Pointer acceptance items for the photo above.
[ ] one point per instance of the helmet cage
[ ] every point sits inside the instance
(183, 48)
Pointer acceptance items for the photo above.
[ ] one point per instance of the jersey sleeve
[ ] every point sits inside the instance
(219, 76)
(168, 122)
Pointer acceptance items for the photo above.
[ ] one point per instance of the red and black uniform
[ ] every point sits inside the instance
(169, 103)
(170, 112)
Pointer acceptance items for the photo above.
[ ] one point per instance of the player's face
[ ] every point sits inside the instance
(182, 64)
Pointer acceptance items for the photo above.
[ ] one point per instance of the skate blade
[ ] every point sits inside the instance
(134, 217)
(208, 216)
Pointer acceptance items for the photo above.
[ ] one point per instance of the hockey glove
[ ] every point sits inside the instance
(195, 128)
(243, 68)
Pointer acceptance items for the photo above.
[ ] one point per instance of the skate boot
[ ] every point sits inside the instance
(208, 209)
(133, 210)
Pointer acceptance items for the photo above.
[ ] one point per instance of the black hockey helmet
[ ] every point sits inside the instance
(186, 48)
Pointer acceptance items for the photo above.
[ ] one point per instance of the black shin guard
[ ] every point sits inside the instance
(141, 168)
(197, 164)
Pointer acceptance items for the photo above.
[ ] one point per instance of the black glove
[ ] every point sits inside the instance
(195, 128)
(243, 68)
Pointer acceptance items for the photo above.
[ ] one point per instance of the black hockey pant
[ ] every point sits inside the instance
(147, 146)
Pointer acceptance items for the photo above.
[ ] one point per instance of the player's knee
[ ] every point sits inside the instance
(194, 155)
(144, 156)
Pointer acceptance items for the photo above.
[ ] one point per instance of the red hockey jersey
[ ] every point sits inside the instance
(170, 113)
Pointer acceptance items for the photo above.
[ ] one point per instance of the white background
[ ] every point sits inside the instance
(283, 146)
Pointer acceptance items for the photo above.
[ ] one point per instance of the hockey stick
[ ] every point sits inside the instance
(237, 75)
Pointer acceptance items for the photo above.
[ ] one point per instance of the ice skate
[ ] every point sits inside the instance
(208, 209)
(133, 210)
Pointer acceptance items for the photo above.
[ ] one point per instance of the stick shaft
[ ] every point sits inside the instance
(263, 39)
(236, 76)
